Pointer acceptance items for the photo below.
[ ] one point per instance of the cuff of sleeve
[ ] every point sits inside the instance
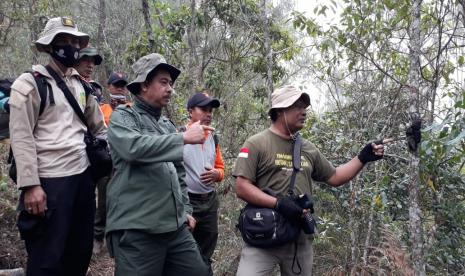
(28, 181)
(179, 149)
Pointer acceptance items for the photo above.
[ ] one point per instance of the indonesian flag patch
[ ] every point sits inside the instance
(244, 153)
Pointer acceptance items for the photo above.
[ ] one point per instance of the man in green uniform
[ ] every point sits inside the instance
(265, 162)
(148, 211)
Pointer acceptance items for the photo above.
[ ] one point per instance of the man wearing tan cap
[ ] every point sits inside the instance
(148, 210)
(57, 201)
(265, 164)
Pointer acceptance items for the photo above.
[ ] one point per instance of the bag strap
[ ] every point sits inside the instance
(69, 96)
(296, 150)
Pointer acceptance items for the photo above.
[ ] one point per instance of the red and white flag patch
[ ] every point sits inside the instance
(244, 153)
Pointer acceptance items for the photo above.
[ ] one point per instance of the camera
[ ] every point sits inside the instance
(308, 223)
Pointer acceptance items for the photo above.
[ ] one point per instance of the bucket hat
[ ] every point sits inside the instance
(91, 52)
(147, 64)
(286, 96)
(60, 25)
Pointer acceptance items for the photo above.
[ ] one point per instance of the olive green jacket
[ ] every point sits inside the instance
(147, 191)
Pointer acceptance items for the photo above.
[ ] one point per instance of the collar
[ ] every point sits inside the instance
(150, 109)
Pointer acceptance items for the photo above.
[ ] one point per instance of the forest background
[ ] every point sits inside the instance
(370, 67)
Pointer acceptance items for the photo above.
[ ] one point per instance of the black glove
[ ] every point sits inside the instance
(366, 154)
(288, 208)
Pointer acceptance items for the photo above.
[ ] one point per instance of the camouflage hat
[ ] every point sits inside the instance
(286, 96)
(147, 64)
(91, 52)
(60, 25)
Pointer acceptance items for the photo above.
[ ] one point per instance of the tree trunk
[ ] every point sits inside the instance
(104, 69)
(415, 226)
(34, 30)
(352, 225)
(191, 64)
(148, 25)
(268, 51)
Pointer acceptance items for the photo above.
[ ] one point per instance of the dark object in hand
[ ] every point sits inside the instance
(308, 223)
(413, 134)
(366, 154)
(289, 209)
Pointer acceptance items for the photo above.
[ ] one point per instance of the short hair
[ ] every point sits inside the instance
(273, 114)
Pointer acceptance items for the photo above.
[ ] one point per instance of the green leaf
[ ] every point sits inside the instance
(457, 139)
(461, 60)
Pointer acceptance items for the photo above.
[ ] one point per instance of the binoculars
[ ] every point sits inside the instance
(308, 223)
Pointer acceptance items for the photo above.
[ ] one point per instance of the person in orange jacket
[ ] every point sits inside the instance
(204, 169)
(118, 94)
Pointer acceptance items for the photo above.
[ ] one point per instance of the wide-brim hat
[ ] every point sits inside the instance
(91, 52)
(286, 96)
(147, 64)
(60, 25)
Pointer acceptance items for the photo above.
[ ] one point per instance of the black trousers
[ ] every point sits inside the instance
(101, 212)
(206, 230)
(61, 242)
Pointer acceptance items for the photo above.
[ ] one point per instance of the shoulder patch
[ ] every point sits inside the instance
(20, 89)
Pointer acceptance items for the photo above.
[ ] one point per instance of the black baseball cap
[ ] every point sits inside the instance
(202, 99)
(117, 77)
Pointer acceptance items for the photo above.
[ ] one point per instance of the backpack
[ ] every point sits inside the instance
(45, 91)
(43, 88)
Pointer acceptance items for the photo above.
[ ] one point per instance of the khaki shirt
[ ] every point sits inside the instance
(266, 160)
(52, 144)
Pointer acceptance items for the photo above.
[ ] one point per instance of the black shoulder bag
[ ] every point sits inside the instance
(96, 148)
(264, 227)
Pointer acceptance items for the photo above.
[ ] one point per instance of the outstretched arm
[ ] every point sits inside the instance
(347, 171)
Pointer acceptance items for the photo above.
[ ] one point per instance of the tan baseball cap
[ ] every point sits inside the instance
(286, 96)
(60, 25)
(147, 64)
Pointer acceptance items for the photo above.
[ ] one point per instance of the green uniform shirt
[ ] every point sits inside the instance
(147, 191)
(266, 160)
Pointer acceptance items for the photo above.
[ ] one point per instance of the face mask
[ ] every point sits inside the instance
(65, 54)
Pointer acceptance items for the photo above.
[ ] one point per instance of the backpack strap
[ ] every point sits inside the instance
(216, 139)
(45, 89)
(88, 88)
(69, 96)
(296, 150)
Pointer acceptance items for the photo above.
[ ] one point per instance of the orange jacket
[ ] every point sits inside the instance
(106, 110)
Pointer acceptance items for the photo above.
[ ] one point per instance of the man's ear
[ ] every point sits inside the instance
(143, 87)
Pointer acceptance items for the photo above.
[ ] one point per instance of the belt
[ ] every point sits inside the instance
(206, 195)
